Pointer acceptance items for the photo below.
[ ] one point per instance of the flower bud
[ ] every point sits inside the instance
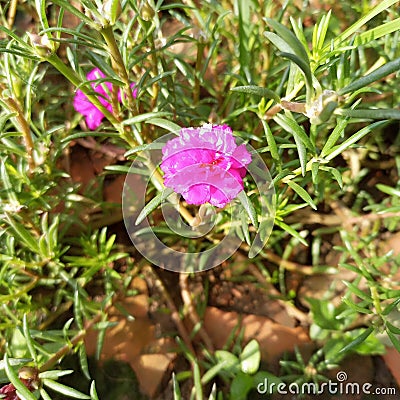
(322, 107)
(111, 10)
(42, 45)
(147, 12)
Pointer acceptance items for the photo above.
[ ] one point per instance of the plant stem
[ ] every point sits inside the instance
(117, 63)
(22, 125)
(154, 66)
(199, 63)
(12, 11)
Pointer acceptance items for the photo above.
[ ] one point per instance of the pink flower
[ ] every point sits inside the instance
(205, 165)
(83, 106)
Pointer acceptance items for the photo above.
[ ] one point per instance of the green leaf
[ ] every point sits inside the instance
(7, 185)
(314, 172)
(290, 47)
(391, 191)
(341, 124)
(333, 152)
(24, 235)
(25, 45)
(290, 39)
(381, 6)
(114, 11)
(92, 42)
(300, 63)
(248, 206)
(250, 357)
(241, 386)
(29, 341)
(93, 391)
(153, 204)
(302, 152)
(41, 10)
(177, 392)
(377, 32)
(395, 340)
(335, 173)
(273, 149)
(231, 362)
(373, 113)
(278, 42)
(302, 193)
(198, 388)
(69, 7)
(390, 307)
(358, 292)
(83, 361)
(212, 372)
(289, 124)
(381, 72)
(213, 394)
(320, 31)
(136, 149)
(324, 314)
(359, 339)
(55, 373)
(163, 123)
(123, 169)
(392, 328)
(291, 231)
(22, 390)
(145, 117)
(298, 29)
(245, 229)
(64, 390)
(44, 394)
(359, 307)
(261, 377)
(326, 112)
(258, 91)
(245, 27)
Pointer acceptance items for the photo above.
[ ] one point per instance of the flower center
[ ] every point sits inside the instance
(212, 163)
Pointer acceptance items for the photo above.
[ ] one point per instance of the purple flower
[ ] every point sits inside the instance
(83, 106)
(205, 165)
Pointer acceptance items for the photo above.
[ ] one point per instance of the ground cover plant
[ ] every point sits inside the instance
(198, 199)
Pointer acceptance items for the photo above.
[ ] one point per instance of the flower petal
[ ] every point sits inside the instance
(197, 194)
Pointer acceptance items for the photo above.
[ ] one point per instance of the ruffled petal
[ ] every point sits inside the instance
(92, 114)
(94, 118)
(218, 198)
(197, 194)
(241, 157)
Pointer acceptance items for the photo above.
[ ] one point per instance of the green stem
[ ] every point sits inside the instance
(23, 126)
(154, 64)
(118, 63)
(199, 63)
(375, 299)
